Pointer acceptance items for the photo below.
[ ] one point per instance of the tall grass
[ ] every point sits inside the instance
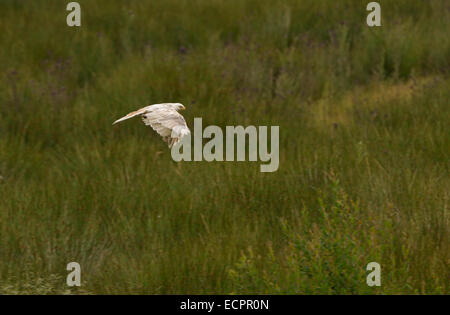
(364, 147)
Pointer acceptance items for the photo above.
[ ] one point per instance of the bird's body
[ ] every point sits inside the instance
(164, 119)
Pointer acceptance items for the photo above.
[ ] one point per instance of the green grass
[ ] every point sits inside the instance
(364, 147)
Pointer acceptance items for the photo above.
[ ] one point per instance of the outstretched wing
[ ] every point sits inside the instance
(132, 114)
(168, 123)
(165, 120)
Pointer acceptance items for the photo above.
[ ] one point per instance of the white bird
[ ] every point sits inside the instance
(164, 119)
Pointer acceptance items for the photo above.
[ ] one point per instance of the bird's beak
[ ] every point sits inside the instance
(182, 107)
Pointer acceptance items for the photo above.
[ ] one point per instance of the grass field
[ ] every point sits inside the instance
(364, 147)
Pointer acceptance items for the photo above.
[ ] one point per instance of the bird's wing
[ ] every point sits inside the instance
(168, 123)
(132, 114)
(141, 111)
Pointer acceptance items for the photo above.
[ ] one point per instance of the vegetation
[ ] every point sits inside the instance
(364, 147)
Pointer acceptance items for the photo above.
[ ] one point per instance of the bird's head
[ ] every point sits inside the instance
(178, 106)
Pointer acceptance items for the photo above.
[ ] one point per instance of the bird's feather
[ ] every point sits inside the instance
(164, 119)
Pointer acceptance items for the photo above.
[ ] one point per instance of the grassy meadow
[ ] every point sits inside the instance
(364, 147)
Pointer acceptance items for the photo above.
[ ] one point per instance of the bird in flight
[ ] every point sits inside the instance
(164, 119)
